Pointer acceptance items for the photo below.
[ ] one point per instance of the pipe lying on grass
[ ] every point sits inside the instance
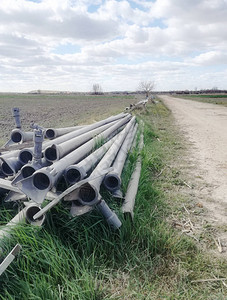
(88, 193)
(129, 201)
(30, 211)
(77, 172)
(16, 194)
(19, 218)
(110, 216)
(117, 193)
(112, 181)
(77, 209)
(26, 214)
(37, 185)
(9, 258)
(77, 155)
(68, 193)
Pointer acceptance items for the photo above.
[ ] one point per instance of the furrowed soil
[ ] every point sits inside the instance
(59, 110)
(204, 126)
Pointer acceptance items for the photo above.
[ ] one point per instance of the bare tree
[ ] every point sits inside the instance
(146, 87)
(97, 89)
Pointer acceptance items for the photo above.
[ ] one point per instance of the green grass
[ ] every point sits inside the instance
(81, 258)
(219, 99)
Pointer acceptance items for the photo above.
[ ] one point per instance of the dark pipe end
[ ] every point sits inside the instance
(50, 134)
(73, 175)
(6, 169)
(51, 153)
(87, 193)
(41, 181)
(112, 182)
(27, 171)
(30, 212)
(16, 137)
(25, 156)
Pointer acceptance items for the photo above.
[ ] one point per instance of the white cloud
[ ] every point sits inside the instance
(118, 43)
(211, 58)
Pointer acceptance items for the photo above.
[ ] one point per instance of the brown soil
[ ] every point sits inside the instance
(59, 110)
(205, 127)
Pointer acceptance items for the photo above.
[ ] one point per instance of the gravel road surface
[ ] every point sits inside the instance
(205, 126)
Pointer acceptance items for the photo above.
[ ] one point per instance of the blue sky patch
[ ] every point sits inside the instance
(92, 8)
(67, 49)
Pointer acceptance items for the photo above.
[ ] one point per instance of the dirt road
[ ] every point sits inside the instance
(205, 126)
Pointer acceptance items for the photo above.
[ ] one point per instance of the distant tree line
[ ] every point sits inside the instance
(187, 92)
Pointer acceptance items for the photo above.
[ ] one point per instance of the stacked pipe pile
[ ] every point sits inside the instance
(86, 157)
(140, 104)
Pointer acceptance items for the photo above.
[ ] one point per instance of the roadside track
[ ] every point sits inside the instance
(205, 127)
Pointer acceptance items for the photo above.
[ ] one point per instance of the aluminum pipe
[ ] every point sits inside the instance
(26, 154)
(26, 214)
(85, 129)
(11, 157)
(77, 172)
(30, 211)
(28, 169)
(129, 202)
(112, 181)
(6, 184)
(19, 136)
(88, 194)
(10, 166)
(110, 216)
(77, 209)
(66, 193)
(52, 133)
(13, 153)
(56, 152)
(19, 218)
(37, 161)
(16, 194)
(37, 185)
(9, 258)
(38, 138)
(16, 115)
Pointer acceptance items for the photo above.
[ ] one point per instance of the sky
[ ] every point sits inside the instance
(69, 45)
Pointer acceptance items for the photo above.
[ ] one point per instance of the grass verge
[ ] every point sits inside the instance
(82, 258)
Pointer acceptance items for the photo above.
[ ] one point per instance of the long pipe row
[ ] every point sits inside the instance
(85, 156)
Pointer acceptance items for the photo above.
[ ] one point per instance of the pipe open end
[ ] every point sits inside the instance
(27, 171)
(41, 181)
(73, 175)
(16, 137)
(112, 182)
(25, 156)
(6, 169)
(51, 153)
(50, 134)
(30, 212)
(87, 194)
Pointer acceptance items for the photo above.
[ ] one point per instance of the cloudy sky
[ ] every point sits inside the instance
(70, 44)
